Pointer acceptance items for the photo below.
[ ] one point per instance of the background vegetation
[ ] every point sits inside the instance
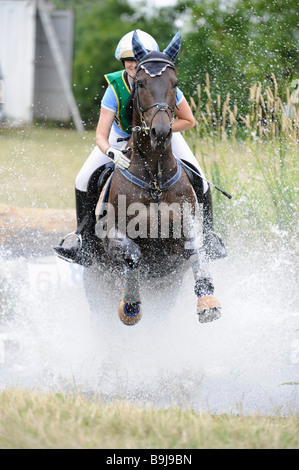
(237, 42)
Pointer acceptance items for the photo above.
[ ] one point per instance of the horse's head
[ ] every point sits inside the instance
(155, 90)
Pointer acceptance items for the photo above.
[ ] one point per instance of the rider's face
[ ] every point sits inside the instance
(131, 67)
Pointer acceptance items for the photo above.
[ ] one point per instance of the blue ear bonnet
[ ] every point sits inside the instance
(154, 63)
(173, 47)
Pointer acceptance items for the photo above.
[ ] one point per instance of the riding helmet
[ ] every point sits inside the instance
(124, 48)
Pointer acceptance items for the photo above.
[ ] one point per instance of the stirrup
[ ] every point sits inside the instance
(79, 241)
(78, 235)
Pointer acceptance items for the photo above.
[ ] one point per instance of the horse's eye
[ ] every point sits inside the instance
(140, 84)
(175, 84)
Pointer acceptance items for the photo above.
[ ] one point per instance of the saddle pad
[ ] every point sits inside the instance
(104, 194)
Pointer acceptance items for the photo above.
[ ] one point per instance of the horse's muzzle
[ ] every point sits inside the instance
(160, 136)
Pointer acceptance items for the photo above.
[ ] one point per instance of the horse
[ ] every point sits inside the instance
(164, 238)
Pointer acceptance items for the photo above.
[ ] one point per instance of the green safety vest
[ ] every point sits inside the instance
(122, 93)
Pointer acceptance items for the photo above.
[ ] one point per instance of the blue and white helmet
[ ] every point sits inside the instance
(124, 49)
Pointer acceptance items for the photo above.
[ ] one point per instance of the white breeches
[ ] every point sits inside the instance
(97, 158)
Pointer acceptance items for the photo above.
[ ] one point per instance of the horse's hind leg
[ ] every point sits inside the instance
(208, 307)
(129, 309)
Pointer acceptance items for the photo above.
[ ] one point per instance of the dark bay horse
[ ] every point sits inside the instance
(152, 223)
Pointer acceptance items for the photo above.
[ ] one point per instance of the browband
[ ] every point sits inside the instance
(157, 59)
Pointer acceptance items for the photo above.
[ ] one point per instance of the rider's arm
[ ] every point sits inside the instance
(184, 117)
(102, 135)
(103, 129)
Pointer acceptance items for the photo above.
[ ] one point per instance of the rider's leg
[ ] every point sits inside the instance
(86, 196)
(182, 151)
(212, 242)
(86, 192)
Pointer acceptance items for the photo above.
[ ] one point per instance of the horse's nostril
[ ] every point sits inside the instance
(161, 133)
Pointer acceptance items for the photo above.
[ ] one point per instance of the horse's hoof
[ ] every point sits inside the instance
(209, 314)
(129, 313)
(208, 308)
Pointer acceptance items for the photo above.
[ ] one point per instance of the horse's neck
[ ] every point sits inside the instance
(143, 155)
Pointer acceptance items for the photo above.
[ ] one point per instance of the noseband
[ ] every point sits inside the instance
(160, 107)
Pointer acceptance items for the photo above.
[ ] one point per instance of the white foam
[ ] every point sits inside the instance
(238, 363)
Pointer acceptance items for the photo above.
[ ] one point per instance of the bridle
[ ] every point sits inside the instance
(160, 106)
(155, 180)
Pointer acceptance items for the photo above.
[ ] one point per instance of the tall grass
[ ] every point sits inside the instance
(255, 158)
(270, 114)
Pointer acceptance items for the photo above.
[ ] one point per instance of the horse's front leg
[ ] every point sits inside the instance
(208, 307)
(129, 308)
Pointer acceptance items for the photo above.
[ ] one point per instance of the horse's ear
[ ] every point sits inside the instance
(139, 50)
(173, 47)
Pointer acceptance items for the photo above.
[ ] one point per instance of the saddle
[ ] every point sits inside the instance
(104, 181)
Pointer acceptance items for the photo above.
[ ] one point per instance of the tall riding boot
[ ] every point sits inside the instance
(83, 252)
(213, 244)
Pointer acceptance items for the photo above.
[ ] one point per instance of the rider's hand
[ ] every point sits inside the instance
(120, 160)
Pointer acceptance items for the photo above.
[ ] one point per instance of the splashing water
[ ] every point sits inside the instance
(239, 363)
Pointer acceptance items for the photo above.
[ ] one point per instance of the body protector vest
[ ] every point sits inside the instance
(122, 93)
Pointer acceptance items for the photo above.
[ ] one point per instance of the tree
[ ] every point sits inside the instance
(238, 43)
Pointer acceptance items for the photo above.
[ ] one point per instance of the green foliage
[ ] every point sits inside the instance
(238, 43)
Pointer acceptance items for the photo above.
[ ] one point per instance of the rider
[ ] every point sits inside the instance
(111, 131)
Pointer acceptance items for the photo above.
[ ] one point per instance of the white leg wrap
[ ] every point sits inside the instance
(199, 266)
(132, 286)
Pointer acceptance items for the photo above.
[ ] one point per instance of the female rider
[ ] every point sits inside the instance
(110, 133)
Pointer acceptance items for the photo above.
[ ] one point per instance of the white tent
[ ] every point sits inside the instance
(36, 52)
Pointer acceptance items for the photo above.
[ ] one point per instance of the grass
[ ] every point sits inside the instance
(38, 166)
(32, 420)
